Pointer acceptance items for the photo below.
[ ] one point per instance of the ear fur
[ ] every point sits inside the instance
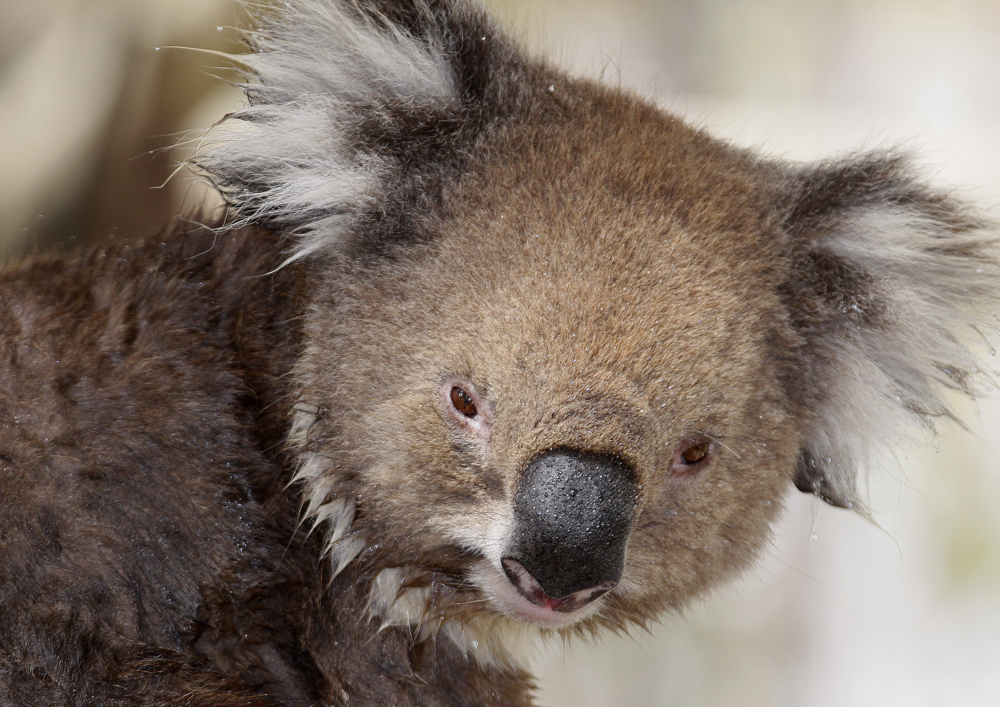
(885, 276)
(322, 78)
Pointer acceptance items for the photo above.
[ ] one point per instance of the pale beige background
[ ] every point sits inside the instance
(840, 612)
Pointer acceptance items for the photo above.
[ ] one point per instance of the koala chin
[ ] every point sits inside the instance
(479, 353)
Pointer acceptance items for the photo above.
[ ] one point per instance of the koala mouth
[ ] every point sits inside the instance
(519, 596)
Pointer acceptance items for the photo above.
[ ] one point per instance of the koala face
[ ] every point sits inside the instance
(564, 354)
(566, 394)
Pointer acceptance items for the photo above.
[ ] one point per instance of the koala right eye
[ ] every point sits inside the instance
(467, 409)
(463, 402)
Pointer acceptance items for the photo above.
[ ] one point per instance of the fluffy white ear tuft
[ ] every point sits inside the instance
(295, 158)
(887, 278)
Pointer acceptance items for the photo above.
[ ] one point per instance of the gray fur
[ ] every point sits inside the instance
(313, 77)
(925, 275)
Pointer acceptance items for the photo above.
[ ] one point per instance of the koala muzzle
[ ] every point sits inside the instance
(573, 513)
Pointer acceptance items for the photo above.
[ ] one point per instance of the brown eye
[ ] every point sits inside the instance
(696, 452)
(467, 411)
(463, 402)
(692, 455)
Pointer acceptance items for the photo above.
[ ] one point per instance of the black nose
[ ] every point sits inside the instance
(572, 517)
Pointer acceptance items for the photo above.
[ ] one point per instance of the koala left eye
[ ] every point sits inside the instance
(692, 455)
(695, 453)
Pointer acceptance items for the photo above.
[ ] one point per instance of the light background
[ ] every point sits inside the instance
(841, 612)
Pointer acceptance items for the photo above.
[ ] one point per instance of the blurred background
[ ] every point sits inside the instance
(95, 99)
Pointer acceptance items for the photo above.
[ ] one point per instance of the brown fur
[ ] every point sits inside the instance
(187, 428)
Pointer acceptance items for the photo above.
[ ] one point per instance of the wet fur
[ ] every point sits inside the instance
(225, 472)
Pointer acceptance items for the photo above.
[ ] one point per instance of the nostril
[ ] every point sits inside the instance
(526, 584)
(580, 599)
(531, 590)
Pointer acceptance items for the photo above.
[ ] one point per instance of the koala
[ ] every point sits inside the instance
(479, 353)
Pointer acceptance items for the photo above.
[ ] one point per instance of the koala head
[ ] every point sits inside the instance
(564, 353)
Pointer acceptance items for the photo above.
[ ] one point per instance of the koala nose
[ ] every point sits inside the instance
(572, 517)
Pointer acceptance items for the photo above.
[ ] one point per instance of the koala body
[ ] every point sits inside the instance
(482, 352)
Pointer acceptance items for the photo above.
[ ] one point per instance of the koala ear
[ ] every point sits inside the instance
(345, 98)
(885, 280)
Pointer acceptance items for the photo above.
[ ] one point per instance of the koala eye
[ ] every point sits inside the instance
(692, 455)
(695, 453)
(463, 402)
(467, 409)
